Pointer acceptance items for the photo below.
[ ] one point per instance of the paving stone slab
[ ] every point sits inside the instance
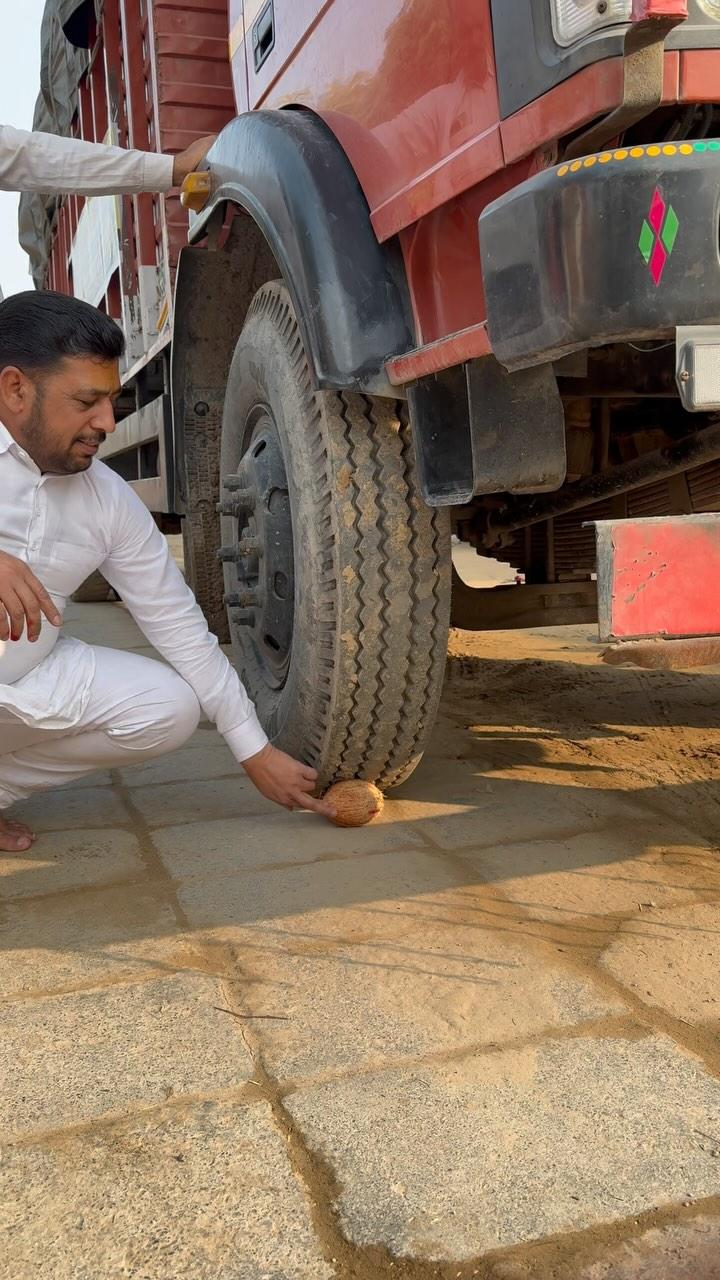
(378, 895)
(437, 989)
(108, 625)
(207, 758)
(480, 810)
(277, 838)
(611, 871)
(70, 860)
(79, 939)
(175, 802)
(671, 959)
(71, 806)
(501, 1149)
(100, 778)
(75, 1057)
(202, 1192)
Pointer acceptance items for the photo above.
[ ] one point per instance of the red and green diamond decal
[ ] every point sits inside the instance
(658, 235)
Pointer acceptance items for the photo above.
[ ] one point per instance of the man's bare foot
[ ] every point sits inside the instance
(15, 837)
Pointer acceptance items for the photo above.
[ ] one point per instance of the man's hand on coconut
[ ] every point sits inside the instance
(285, 781)
(23, 600)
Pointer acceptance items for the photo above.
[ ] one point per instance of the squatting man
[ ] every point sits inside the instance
(68, 708)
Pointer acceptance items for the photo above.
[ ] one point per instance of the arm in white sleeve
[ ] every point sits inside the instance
(52, 165)
(143, 572)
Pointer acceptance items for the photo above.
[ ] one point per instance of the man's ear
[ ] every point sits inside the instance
(16, 390)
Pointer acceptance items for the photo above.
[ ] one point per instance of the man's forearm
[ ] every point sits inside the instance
(144, 574)
(174, 624)
(48, 164)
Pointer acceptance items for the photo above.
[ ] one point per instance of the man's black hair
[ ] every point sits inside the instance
(39, 330)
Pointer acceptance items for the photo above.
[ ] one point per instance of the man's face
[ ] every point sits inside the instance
(66, 414)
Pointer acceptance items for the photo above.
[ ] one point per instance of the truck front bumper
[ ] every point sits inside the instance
(616, 247)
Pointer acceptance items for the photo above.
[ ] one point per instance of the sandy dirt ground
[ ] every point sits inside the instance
(478, 1038)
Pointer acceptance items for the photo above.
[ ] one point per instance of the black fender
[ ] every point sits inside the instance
(287, 171)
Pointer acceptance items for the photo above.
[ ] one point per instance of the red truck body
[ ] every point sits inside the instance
(412, 98)
(410, 91)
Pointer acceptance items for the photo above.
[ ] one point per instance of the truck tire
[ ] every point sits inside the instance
(337, 574)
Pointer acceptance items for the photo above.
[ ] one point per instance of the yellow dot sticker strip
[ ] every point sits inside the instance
(636, 153)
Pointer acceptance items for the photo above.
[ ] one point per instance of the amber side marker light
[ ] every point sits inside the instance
(195, 191)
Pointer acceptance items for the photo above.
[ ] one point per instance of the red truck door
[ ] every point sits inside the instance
(274, 31)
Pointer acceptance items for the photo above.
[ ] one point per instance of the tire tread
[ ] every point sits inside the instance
(382, 562)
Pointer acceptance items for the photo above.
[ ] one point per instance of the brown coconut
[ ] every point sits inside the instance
(355, 803)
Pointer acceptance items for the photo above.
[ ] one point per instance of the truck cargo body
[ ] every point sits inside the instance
(156, 77)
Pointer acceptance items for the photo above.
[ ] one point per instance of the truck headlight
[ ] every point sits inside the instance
(711, 8)
(574, 19)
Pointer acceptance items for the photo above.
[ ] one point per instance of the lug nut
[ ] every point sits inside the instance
(249, 598)
(244, 500)
(234, 483)
(249, 547)
(243, 617)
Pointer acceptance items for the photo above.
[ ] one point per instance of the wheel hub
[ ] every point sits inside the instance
(260, 573)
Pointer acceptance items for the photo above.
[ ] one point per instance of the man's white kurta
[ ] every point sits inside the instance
(65, 527)
(51, 165)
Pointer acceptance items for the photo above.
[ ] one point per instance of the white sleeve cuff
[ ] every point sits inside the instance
(246, 739)
(158, 171)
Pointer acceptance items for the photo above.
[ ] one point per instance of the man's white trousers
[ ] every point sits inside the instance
(138, 708)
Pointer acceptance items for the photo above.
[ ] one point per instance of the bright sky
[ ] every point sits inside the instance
(19, 87)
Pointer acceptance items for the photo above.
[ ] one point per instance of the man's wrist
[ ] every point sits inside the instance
(246, 740)
(253, 763)
(159, 171)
